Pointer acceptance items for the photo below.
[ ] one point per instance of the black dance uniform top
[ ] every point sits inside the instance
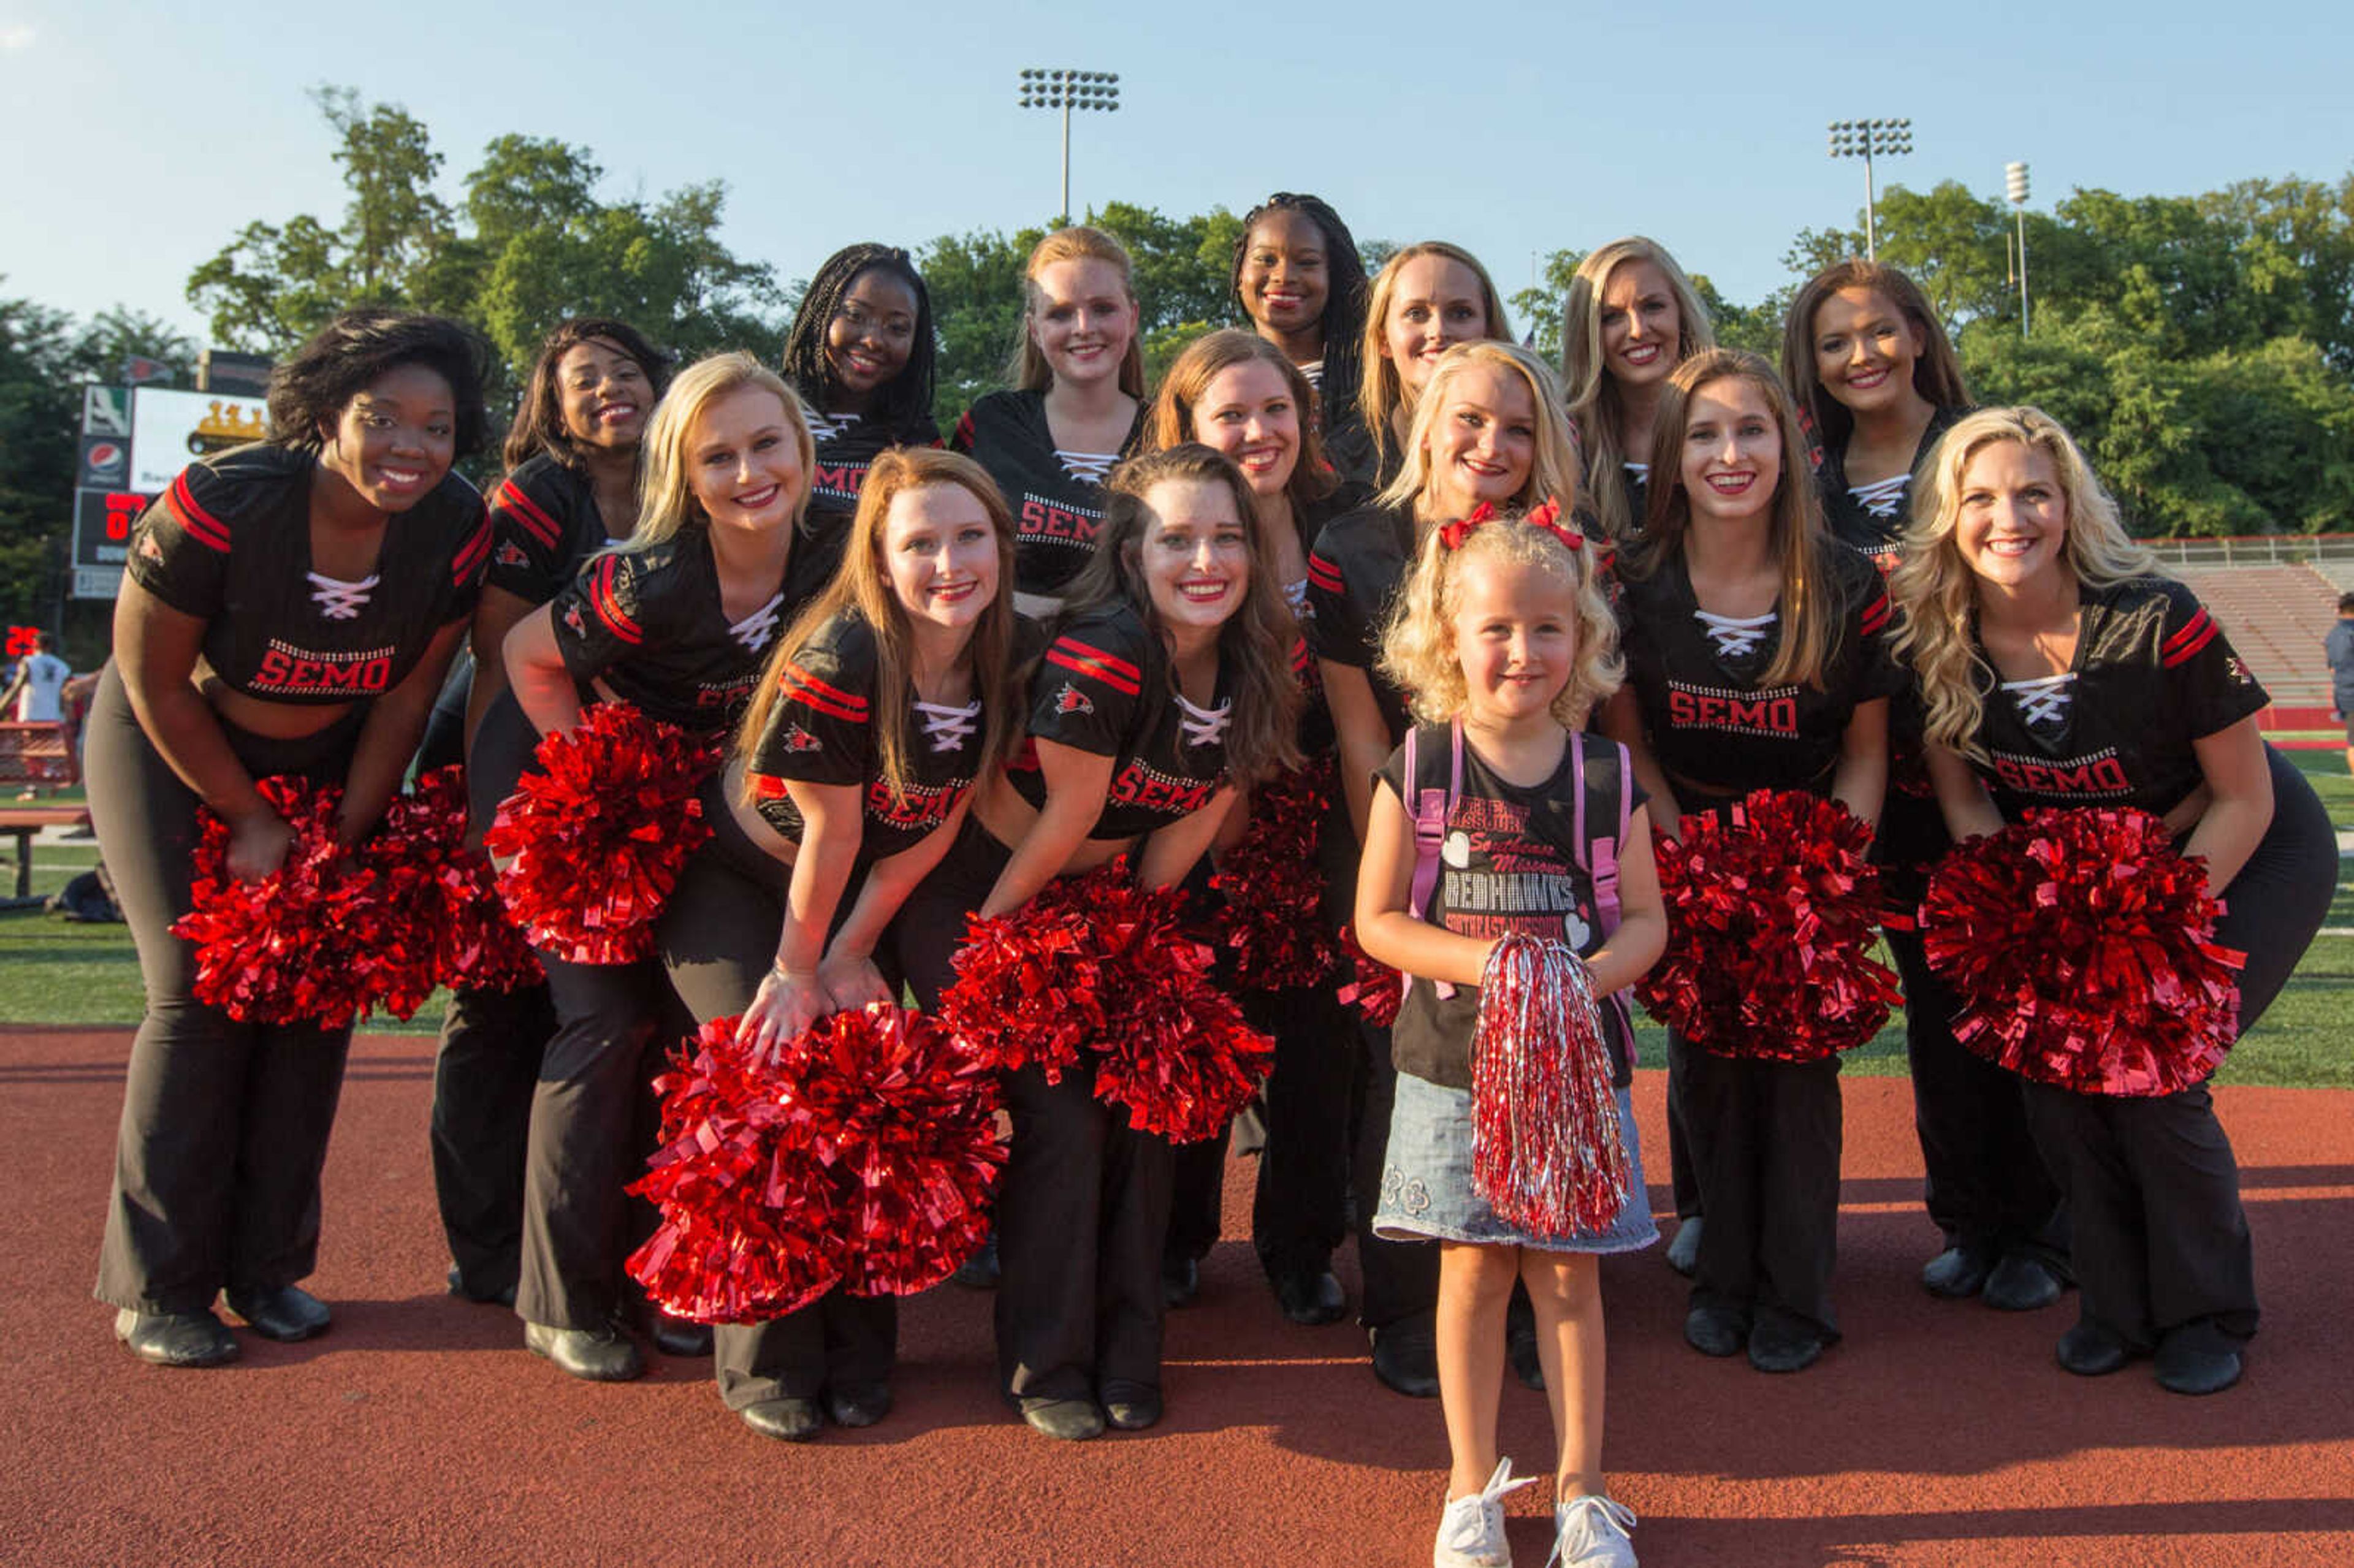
(229, 542)
(1349, 448)
(1710, 725)
(2153, 673)
(847, 445)
(1056, 514)
(1105, 686)
(544, 523)
(1874, 523)
(820, 731)
(649, 623)
(1355, 568)
(1508, 864)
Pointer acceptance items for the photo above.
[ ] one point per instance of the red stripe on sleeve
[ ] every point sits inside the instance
(473, 553)
(2207, 631)
(1875, 615)
(1325, 574)
(609, 609)
(1094, 671)
(537, 522)
(1113, 666)
(798, 686)
(198, 524)
(2199, 626)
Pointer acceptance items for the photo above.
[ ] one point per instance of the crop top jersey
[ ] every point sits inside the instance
(820, 730)
(229, 542)
(1056, 514)
(2153, 673)
(650, 624)
(1709, 721)
(544, 523)
(1508, 863)
(1104, 686)
(1356, 567)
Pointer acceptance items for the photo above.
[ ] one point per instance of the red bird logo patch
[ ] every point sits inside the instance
(798, 739)
(150, 550)
(572, 618)
(510, 554)
(1071, 700)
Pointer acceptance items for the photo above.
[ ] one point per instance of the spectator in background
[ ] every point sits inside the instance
(2340, 647)
(40, 677)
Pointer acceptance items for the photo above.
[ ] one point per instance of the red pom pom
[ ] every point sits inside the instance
(2079, 946)
(598, 834)
(1547, 1152)
(1093, 964)
(861, 1157)
(291, 948)
(1271, 918)
(1770, 913)
(1377, 991)
(439, 920)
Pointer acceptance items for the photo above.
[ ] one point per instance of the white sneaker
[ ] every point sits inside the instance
(1471, 1530)
(1591, 1532)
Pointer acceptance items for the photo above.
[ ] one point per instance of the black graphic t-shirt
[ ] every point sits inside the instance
(1508, 864)
(544, 524)
(229, 542)
(650, 624)
(2153, 673)
(1056, 514)
(821, 731)
(1105, 686)
(1710, 725)
(1356, 567)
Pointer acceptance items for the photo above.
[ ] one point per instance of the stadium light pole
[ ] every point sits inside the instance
(1066, 90)
(1867, 139)
(2014, 185)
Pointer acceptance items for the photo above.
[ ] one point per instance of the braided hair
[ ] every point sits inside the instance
(1344, 321)
(904, 404)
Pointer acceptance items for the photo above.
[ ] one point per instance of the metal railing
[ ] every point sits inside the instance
(2256, 550)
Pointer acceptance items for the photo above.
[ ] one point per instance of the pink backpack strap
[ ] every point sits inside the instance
(1431, 808)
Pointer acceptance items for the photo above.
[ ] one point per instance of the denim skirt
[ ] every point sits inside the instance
(1426, 1191)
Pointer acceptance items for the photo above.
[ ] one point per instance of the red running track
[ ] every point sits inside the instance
(420, 1432)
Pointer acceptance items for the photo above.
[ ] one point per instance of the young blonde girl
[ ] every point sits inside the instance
(1505, 641)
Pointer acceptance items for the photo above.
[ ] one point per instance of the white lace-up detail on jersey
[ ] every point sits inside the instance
(1883, 498)
(755, 629)
(1088, 467)
(1735, 637)
(1642, 471)
(341, 601)
(1471, 1530)
(2043, 700)
(1204, 726)
(948, 728)
(827, 427)
(1295, 594)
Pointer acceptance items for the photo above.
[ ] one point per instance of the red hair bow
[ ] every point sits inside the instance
(1452, 534)
(1547, 518)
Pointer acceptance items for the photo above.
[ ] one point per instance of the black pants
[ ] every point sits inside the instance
(1766, 1155)
(2160, 1240)
(1083, 1206)
(224, 1125)
(718, 937)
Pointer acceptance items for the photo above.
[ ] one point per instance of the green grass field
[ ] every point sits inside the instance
(53, 972)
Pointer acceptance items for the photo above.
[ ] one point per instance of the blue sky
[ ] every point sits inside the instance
(140, 136)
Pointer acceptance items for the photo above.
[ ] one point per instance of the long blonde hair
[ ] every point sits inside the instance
(1418, 641)
(1382, 389)
(1801, 547)
(665, 501)
(1934, 591)
(1553, 468)
(1079, 242)
(1595, 409)
(863, 583)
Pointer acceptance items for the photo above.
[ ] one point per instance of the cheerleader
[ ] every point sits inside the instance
(1075, 407)
(1426, 299)
(2058, 669)
(848, 782)
(1631, 317)
(675, 622)
(1298, 279)
(288, 608)
(1754, 655)
(571, 489)
(1239, 394)
(1877, 378)
(1488, 430)
(1165, 687)
(861, 354)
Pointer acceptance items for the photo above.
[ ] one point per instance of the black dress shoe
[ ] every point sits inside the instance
(1131, 1407)
(1683, 1247)
(176, 1339)
(1520, 1354)
(788, 1420)
(1181, 1281)
(2021, 1283)
(1778, 1347)
(1072, 1420)
(286, 1314)
(858, 1404)
(677, 1337)
(597, 1355)
(503, 1297)
(2192, 1362)
(1958, 1272)
(2090, 1350)
(1310, 1297)
(979, 1271)
(1714, 1331)
(1405, 1357)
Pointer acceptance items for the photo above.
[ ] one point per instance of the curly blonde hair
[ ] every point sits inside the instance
(1935, 592)
(1418, 641)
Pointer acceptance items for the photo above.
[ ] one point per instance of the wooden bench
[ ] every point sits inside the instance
(22, 823)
